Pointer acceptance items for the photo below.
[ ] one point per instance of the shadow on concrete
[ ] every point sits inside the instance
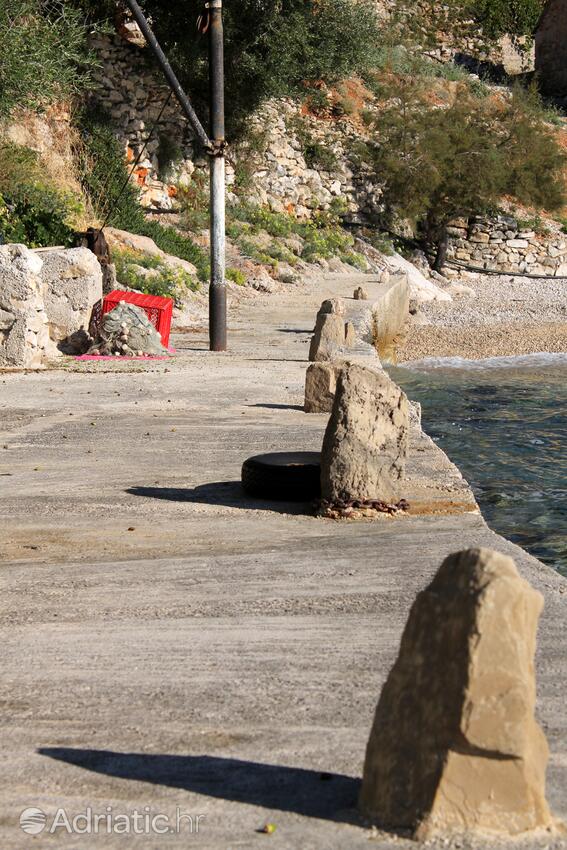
(279, 406)
(329, 796)
(227, 493)
(296, 330)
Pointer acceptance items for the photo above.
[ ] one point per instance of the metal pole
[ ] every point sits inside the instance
(217, 290)
(169, 73)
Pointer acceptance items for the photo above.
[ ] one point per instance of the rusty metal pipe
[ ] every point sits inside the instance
(217, 290)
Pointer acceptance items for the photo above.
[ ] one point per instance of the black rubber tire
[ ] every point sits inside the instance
(283, 476)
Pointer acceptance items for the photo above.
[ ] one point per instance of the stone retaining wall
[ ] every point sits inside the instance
(131, 90)
(503, 245)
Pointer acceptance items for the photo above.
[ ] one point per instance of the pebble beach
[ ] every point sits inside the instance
(502, 316)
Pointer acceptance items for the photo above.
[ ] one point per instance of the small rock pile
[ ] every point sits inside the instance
(127, 332)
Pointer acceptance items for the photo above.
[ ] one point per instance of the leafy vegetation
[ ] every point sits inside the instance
(152, 275)
(104, 176)
(32, 210)
(272, 47)
(44, 55)
(484, 20)
(322, 237)
(460, 160)
(236, 276)
(315, 153)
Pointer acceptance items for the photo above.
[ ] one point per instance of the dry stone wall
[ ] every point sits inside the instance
(503, 245)
(131, 90)
(128, 87)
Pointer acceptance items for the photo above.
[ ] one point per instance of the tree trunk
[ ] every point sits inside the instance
(442, 247)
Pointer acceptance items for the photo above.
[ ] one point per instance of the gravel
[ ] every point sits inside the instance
(506, 316)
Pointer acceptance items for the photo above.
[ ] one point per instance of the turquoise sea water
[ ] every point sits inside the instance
(504, 423)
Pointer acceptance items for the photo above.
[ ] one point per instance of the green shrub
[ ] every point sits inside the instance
(104, 176)
(44, 55)
(272, 47)
(440, 164)
(34, 211)
(162, 279)
(236, 276)
(315, 152)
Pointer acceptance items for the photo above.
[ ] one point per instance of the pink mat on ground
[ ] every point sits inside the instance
(118, 359)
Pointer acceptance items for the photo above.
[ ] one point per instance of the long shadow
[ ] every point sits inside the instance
(279, 406)
(295, 331)
(227, 493)
(329, 796)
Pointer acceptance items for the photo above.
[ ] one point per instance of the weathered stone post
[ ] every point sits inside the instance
(455, 747)
(366, 441)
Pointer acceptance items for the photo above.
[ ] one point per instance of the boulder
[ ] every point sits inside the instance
(366, 440)
(73, 285)
(122, 240)
(360, 294)
(421, 289)
(455, 747)
(261, 281)
(24, 330)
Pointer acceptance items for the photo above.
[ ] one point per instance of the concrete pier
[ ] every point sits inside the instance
(169, 643)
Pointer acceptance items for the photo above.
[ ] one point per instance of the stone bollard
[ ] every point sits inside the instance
(366, 441)
(320, 386)
(455, 747)
(350, 335)
(329, 337)
(360, 294)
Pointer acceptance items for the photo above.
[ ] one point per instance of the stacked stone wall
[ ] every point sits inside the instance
(503, 245)
(131, 90)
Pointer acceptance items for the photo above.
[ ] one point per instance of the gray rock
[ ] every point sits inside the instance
(73, 285)
(127, 331)
(455, 747)
(24, 336)
(320, 387)
(366, 441)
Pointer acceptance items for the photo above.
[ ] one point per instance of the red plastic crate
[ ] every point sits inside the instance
(158, 310)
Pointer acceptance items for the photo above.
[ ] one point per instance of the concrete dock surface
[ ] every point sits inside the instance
(173, 647)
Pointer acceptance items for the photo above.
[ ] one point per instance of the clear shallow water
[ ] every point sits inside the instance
(504, 423)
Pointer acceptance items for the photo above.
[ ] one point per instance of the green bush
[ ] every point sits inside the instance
(315, 152)
(484, 20)
(236, 276)
(32, 210)
(272, 47)
(44, 55)
(441, 164)
(162, 279)
(104, 176)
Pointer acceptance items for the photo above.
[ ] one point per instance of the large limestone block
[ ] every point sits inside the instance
(24, 335)
(73, 285)
(455, 747)
(366, 440)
